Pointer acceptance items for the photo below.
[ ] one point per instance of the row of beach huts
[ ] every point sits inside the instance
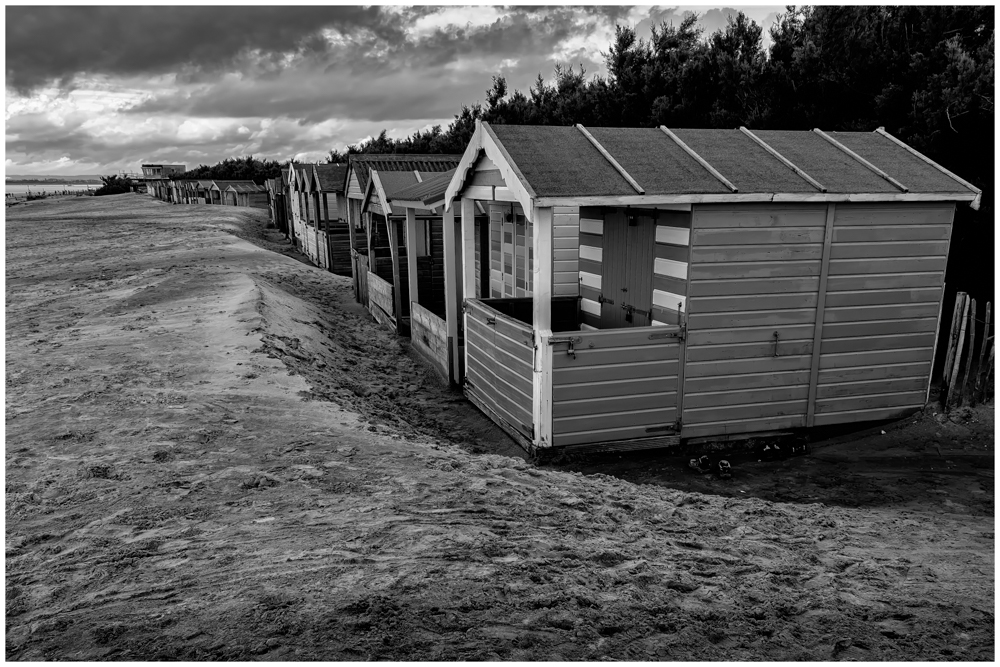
(630, 288)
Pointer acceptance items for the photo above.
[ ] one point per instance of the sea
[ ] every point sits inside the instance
(20, 189)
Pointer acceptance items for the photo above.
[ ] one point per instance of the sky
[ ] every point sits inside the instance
(98, 90)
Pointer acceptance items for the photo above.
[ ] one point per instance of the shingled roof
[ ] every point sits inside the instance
(225, 184)
(430, 191)
(551, 165)
(331, 177)
(364, 163)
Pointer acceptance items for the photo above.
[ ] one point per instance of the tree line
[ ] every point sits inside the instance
(925, 73)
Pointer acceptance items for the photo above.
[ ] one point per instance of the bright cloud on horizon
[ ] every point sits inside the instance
(280, 82)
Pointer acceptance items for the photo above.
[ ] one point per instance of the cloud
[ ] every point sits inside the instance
(56, 43)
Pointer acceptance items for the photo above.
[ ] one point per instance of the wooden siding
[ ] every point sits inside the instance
(361, 268)
(753, 273)
(565, 251)
(500, 353)
(429, 337)
(380, 295)
(883, 294)
(338, 238)
(620, 385)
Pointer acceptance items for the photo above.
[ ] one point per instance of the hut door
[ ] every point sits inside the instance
(627, 270)
(614, 281)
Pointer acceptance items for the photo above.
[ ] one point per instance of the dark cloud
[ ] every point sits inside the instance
(46, 43)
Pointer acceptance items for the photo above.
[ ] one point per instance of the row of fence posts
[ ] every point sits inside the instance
(967, 382)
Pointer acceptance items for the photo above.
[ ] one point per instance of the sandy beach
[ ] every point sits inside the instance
(214, 453)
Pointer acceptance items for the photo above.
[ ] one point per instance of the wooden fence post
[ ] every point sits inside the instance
(952, 337)
(977, 385)
(972, 353)
(957, 361)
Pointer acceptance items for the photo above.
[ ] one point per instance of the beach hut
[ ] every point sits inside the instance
(221, 193)
(432, 270)
(203, 193)
(247, 194)
(698, 284)
(331, 202)
(388, 280)
(362, 233)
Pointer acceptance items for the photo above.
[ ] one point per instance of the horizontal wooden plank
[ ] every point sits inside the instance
(755, 411)
(566, 254)
(747, 302)
(697, 369)
(856, 416)
(745, 396)
(748, 350)
(590, 266)
(882, 297)
(648, 369)
(736, 286)
(504, 395)
(870, 387)
(742, 426)
(673, 235)
(912, 280)
(713, 218)
(565, 231)
(884, 342)
(591, 240)
(565, 243)
(878, 327)
(610, 405)
(589, 225)
(670, 267)
(748, 319)
(609, 435)
(665, 218)
(742, 269)
(613, 389)
(875, 358)
(870, 250)
(605, 421)
(669, 284)
(843, 404)
(755, 253)
(697, 337)
(873, 233)
(671, 252)
(568, 288)
(662, 350)
(888, 312)
(838, 375)
(758, 235)
(840, 267)
(893, 214)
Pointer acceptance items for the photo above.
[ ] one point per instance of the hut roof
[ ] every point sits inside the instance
(331, 177)
(429, 192)
(245, 186)
(222, 185)
(364, 163)
(388, 184)
(646, 165)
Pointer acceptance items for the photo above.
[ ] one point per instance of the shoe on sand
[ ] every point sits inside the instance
(725, 470)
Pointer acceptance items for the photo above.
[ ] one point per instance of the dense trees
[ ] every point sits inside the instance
(925, 73)
(246, 168)
(115, 185)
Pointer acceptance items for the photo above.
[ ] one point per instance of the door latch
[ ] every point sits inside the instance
(602, 299)
(775, 343)
(572, 340)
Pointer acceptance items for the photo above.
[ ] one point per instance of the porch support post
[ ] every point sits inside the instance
(452, 294)
(542, 325)
(468, 246)
(467, 264)
(411, 254)
(397, 291)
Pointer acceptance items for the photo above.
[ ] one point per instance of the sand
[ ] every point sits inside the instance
(213, 453)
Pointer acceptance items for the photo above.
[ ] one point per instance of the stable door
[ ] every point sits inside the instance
(627, 269)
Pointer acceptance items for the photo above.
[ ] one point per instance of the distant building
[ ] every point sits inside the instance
(162, 170)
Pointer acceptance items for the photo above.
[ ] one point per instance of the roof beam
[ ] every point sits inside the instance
(702, 161)
(614, 163)
(860, 159)
(921, 156)
(785, 161)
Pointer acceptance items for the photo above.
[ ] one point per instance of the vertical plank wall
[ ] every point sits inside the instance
(511, 252)
(754, 271)
(884, 287)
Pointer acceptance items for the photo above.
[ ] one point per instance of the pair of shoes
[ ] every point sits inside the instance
(700, 465)
(798, 449)
(725, 470)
